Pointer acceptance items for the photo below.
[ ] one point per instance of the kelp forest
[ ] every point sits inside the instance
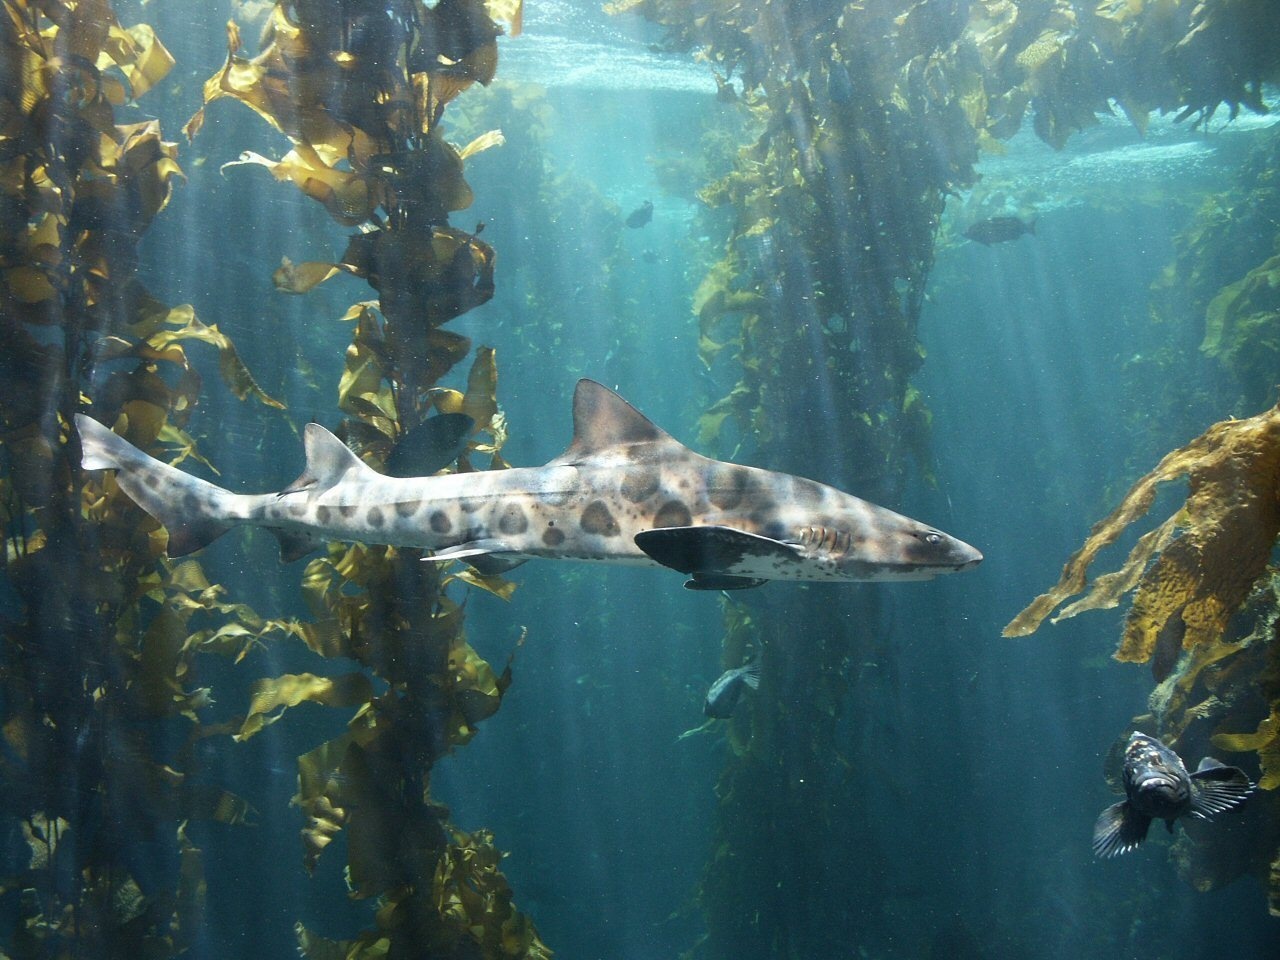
(837, 142)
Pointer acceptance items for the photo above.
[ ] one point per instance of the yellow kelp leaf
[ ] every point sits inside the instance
(492, 138)
(345, 194)
(234, 372)
(1265, 741)
(498, 586)
(292, 689)
(29, 284)
(1227, 526)
(510, 12)
(181, 446)
(299, 278)
(481, 400)
(141, 56)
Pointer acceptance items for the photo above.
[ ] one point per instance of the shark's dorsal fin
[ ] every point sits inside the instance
(329, 461)
(602, 419)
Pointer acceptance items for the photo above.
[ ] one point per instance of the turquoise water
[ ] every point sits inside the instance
(971, 766)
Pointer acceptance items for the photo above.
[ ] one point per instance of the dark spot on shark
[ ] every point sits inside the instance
(191, 503)
(440, 522)
(322, 515)
(152, 480)
(297, 509)
(640, 483)
(513, 519)
(348, 510)
(727, 485)
(552, 537)
(469, 505)
(598, 520)
(407, 508)
(673, 514)
(375, 517)
(807, 493)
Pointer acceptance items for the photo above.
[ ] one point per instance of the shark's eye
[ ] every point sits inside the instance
(933, 539)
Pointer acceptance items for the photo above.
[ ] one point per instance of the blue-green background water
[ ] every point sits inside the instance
(978, 759)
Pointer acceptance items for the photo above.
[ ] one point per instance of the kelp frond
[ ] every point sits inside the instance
(1207, 555)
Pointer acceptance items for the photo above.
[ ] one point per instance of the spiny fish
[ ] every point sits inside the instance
(1000, 229)
(1158, 786)
(725, 692)
(624, 491)
(641, 215)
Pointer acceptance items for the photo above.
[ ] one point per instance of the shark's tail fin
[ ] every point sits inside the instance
(194, 511)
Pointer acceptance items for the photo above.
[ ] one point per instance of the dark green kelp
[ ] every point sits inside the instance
(100, 697)
(359, 92)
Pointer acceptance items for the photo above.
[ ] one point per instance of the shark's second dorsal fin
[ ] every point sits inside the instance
(329, 461)
(602, 419)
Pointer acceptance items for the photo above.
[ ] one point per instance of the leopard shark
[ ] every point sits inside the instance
(624, 491)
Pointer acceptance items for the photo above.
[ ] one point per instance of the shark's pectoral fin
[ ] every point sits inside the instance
(721, 581)
(470, 551)
(731, 555)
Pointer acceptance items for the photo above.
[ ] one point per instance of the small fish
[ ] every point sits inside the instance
(727, 689)
(1157, 785)
(1000, 229)
(430, 446)
(640, 215)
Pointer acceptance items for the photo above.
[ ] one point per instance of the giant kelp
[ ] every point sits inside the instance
(866, 116)
(100, 701)
(359, 90)
(1191, 577)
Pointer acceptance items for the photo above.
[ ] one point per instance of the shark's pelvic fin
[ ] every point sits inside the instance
(329, 462)
(602, 419)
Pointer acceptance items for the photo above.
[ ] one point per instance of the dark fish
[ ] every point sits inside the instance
(1000, 229)
(430, 446)
(640, 215)
(1158, 786)
(725, 692)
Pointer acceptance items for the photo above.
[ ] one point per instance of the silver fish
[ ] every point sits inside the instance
(1158, 786)
(724, 693)
(623, 492)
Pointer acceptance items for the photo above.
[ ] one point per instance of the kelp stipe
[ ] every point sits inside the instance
(360, 91)
(100, 704)
(867, 117)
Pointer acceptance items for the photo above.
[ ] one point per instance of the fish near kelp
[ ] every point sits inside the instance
(1157, 786)
(624, 491)
(640, 215)
(999, 230)
(726, 690)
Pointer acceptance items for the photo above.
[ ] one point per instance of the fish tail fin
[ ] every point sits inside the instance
(1216, 788)
(194, 511)
(1119, 829)
(751, 675)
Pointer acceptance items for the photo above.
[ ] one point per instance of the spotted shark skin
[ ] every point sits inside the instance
(624, 491)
